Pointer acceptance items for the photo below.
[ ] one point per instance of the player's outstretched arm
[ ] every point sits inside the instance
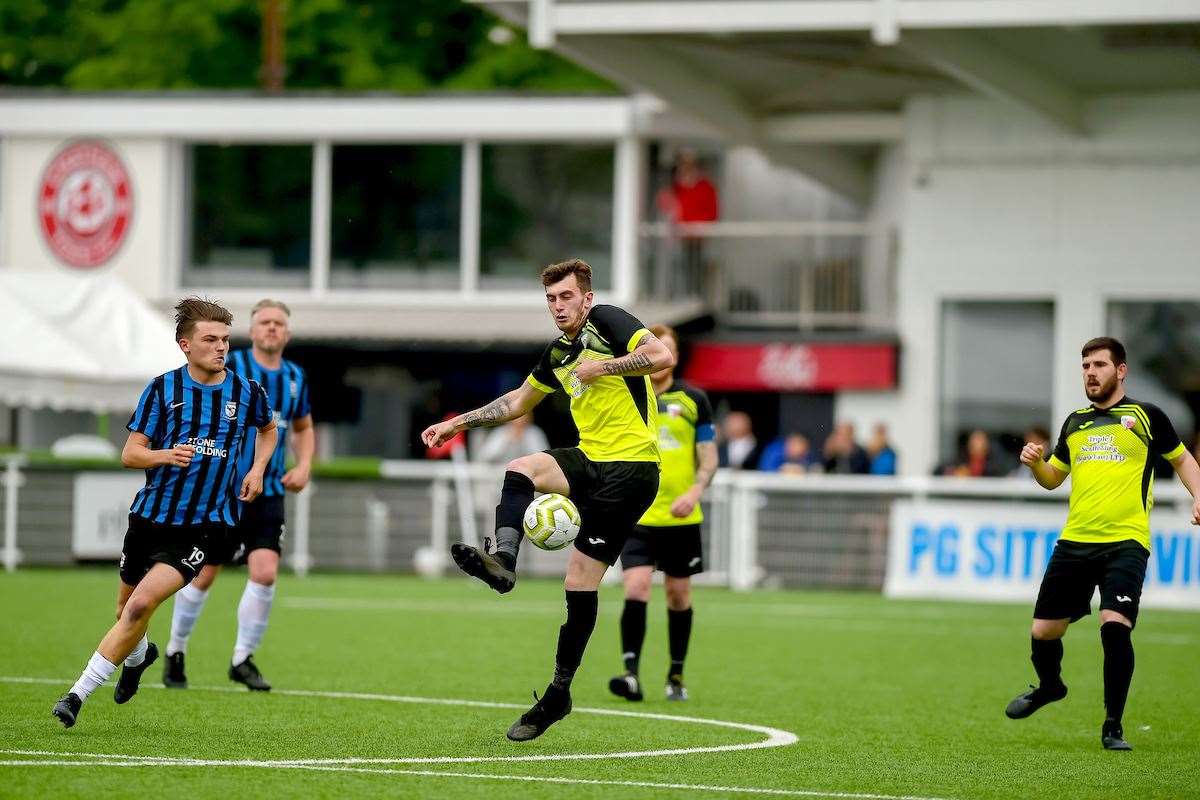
(1046, 474)
(650, 356)
(137, 454)
(1189, 474)
(505, 408)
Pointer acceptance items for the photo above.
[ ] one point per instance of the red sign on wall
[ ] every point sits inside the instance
(813, 367)
(85, 204)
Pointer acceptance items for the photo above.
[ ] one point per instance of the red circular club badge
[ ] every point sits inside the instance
(85, 204)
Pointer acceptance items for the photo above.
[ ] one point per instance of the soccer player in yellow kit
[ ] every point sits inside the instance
(601, 360)
(1109, 448)
(668, 535)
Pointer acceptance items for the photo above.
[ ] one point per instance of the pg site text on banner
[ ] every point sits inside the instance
(999, 551)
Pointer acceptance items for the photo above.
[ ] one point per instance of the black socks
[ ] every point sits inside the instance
(679, 631)
(573, 635)
(633, 633)
(1118, 667)
(515, 497)
(1047, 661)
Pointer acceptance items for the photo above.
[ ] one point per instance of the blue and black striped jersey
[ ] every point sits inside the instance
(175, 410)
(287, 390)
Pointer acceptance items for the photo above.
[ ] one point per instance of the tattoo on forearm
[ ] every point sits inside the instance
(491, 414)
(626, 365)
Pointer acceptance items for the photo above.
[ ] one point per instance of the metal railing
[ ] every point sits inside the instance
(760, 529)
(774, 274)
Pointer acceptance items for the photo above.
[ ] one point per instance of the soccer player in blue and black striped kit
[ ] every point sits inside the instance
(257, 537)
(185, 433)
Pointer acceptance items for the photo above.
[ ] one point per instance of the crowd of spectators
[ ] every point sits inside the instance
(794, 453)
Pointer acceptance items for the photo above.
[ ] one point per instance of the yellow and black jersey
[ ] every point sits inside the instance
(616, 415)
(1110, 454)
(684, 419)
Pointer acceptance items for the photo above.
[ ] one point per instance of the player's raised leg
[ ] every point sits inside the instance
(189, 602)
(537, 472)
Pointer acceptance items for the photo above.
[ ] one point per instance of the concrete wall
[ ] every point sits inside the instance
(1000, 206)
(142, 260)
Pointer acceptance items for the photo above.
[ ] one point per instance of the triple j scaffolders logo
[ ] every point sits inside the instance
(85, 204)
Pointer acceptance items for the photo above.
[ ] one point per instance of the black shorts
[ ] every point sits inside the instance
(185, 547)
(260, 528)
(675, 549)
(611, 497)
(1077, 568)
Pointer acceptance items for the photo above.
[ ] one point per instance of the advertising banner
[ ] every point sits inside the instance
(102, 512)
(999, 550)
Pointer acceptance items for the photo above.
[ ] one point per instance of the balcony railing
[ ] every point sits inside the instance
(803, 275)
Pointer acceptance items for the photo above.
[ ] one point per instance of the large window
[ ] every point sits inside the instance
(249, 215)
(543, 203)
(1162, 343)
(997, 376)
(395, 216)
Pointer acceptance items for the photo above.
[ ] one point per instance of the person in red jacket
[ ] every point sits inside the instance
(691, 198)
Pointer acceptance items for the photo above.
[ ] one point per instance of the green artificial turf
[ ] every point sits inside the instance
(887, 698)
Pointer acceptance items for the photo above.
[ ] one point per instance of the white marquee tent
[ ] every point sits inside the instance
(78, 342)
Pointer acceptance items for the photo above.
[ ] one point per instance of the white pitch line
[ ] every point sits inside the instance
(774, 736)
(919, 619)
(155, 762)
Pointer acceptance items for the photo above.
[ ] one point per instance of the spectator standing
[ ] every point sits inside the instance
(979, 461)
(843, 456)
(691, 198)
(791, 454)
(880, 452)
(738, 448)
(508, 442)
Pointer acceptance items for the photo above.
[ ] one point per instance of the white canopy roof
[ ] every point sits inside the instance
(78, 342)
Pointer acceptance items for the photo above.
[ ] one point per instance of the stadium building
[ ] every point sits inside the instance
(924, 209)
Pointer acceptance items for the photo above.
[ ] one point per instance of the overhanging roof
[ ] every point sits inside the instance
(78, 342)
(805, 79)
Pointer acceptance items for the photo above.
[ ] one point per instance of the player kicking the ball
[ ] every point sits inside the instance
(602, 360)
(185, 434)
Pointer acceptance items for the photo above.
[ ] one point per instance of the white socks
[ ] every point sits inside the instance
(189, 602)
(98, 670)
(253, 611)
(139, 653)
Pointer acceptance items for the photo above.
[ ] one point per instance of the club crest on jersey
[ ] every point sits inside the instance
(231, 410)
(674, 409)
(294, 388)
(1128, 422)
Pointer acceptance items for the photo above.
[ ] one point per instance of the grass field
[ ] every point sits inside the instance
(885, 699)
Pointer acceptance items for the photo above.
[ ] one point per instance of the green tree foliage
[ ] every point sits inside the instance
(409, 46)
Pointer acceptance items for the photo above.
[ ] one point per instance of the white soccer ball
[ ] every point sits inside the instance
(551, 522)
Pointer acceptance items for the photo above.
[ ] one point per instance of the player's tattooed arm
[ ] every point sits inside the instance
(517, 403)
(632, 364)
(649, 356)
(493, 413)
